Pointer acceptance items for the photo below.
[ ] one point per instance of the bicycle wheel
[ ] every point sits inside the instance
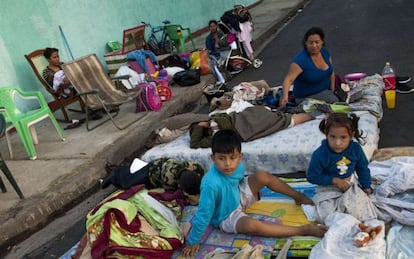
(153, 45)
(166, 44)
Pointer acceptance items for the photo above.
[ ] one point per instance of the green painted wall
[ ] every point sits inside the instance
(26, 25)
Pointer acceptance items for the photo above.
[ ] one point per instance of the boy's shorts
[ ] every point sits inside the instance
(246, 199)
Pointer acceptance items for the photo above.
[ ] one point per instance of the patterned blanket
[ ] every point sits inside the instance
(371, 100)
(281, 211)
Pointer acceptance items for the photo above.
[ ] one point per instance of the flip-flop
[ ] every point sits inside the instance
(73, 125)
(95, 116)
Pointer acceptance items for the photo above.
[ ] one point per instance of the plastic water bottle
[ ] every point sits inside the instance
(388, 76)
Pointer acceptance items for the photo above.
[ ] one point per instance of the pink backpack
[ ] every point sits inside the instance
(150, 100)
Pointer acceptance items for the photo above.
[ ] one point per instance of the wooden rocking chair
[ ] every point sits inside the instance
(38, 63)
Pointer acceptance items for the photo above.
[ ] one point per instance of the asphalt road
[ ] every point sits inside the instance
(361, 37)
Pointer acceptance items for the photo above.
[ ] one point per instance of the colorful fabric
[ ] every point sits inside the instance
(140, 56)
(275, 212)
(288, 213)
(166, 172)
(131, 223)
(301, 245)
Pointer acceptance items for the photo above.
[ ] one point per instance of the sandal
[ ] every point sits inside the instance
(73, 125)
(95, 116)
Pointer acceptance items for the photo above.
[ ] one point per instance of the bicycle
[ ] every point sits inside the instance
(156, 46)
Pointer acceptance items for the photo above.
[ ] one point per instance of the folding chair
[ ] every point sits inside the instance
(38, 63)
(5, 168)
(97, 90)
(9, 176)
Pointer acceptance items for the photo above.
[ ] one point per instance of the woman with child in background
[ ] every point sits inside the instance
(54, 75)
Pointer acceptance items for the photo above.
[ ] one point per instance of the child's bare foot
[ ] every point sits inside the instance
(315, 230)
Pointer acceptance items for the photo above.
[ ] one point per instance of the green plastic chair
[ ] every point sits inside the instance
(179, 36)
(23, 120)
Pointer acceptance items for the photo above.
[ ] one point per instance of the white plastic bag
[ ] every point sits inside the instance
(134, 78)
(338, 240)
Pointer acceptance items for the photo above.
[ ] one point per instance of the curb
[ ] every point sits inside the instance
(34, 213)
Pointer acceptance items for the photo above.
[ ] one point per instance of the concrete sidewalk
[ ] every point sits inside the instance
(65, 173)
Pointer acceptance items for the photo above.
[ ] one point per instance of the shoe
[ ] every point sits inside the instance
(113, 109)
(404, 89)
(73, 125)
(109, 168)
(95, 116)
(104, 183)
(403, 79)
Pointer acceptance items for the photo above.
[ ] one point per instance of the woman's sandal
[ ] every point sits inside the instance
(73, 125)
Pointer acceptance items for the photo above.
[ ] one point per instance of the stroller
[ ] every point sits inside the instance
(237, 24)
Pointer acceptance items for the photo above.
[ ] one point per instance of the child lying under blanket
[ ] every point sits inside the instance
(251, 123)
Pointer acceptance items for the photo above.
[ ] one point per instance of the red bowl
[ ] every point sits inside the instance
(354, 76)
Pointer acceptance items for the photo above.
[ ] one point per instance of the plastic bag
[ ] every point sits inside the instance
(200, 59)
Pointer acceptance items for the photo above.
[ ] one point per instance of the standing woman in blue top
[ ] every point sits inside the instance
(339, 156)
(311, 71)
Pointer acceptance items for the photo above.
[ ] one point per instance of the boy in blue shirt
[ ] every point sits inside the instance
(226, 193)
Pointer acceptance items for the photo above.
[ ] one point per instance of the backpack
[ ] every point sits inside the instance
(187, 77)
(149, 98)
(242, 13)
(230, 20)
(176, 61)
